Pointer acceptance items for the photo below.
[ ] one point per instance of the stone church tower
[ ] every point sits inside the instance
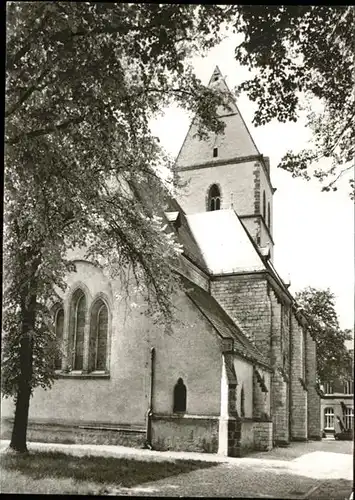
(227, 171)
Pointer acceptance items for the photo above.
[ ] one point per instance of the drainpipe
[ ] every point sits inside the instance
(148, 442)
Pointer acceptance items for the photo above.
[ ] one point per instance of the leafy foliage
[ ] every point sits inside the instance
(303, 52)
(83, 80)
(333, 359)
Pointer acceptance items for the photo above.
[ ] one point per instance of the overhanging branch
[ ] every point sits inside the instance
(47, 130)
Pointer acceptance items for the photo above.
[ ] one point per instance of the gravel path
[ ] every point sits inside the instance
(313, 470)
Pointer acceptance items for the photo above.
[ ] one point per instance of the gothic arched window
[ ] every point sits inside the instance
(264, 205)
(59, 328)
(77, 329)
(180, 396)
(98, 337)
(214, 198)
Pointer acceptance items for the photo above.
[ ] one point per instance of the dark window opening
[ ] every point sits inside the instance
(180, 396)
(214, 198)
(268, 215)
(264, 205)
(242, 402)
(215, 152)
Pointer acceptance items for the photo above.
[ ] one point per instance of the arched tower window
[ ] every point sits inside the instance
(268, 215)
(214, 198)
(264, 205)
(77, 329)
(59, 328)
(98, 337)
(180, 396)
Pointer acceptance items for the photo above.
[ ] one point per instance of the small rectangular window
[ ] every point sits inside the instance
(215, 152)
(328, 388)
(348, 387)
(329, 418)
(349, 418)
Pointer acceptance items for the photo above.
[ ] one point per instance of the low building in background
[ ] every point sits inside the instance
(337, 407)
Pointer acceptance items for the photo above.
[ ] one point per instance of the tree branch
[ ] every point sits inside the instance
(45, 131)
(27, 94)
(341, 173)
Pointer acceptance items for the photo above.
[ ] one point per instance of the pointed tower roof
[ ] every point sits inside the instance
(236, 142)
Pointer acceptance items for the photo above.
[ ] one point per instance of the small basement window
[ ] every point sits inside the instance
(215, 152)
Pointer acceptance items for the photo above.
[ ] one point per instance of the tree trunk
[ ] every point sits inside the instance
(19, 431)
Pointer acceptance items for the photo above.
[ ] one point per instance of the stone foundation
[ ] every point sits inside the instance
(263, 436)
(234, 437)
(246, 436)
(185, 433)
(45, 432)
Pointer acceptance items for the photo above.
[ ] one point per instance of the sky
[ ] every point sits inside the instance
(313, 230)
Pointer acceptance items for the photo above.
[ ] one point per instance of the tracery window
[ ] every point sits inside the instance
(59, 329)
(77, 329)
(98, 337)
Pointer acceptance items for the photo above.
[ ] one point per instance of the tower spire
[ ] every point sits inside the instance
(216, 75)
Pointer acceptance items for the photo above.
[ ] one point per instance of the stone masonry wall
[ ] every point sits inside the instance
(246, 300)
(236, 183)
(279, 396)
(253, 304)
(185, 433)
(246, 436)
(75, 434)
(263, 436)
(259, 401)
(314, 427)
(299, 430)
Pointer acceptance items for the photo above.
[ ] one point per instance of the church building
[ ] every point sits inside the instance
(238, 371)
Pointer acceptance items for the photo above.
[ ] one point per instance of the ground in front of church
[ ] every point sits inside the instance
(313, 470)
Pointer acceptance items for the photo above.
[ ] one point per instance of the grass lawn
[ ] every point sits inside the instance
(58, 473)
